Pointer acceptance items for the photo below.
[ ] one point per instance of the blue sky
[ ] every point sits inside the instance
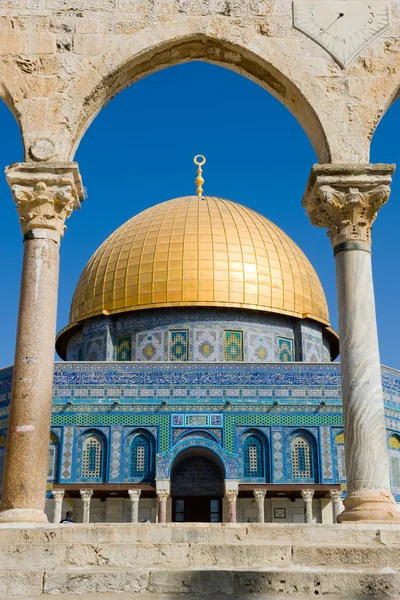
(139, 151)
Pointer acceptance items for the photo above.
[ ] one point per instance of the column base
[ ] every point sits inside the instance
(369, 507)
(23, 515)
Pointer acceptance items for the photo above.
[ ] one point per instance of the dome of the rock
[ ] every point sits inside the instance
(199, 252)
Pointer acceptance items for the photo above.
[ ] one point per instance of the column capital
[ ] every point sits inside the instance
(346, 199)
(335, 495)
(162, 495)
(231, 495)
(134, 495)
(86, 494)
(259, 494)
(45, 195)
(58, 494)
(307, 495)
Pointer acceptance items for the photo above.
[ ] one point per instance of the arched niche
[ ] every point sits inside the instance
(197, 471)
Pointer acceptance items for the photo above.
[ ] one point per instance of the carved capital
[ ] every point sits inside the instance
(86, 495)
(45, 194)
(335, 495)
(345, 199)
(259, 494)
(134, 495)
(307, 495)
(162, 495)
(58, 494)
(231, 495)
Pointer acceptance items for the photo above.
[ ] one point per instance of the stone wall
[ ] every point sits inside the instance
(61, 61)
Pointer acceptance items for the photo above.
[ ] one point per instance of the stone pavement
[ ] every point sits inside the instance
(193, 561)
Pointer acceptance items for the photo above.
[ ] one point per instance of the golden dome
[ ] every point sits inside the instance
(199, 252)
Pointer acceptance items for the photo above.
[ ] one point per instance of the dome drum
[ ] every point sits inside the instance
(200, 335)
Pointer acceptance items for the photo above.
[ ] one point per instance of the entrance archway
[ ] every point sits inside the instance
(197, 486)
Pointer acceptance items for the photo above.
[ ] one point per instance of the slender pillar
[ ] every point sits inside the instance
(259, 495)
(231, 496)
(162, 496)
(307, 496)
(86, 496)
(58, 496)
(45, 195)
(134, 495)
(345, 199)
(336, 496)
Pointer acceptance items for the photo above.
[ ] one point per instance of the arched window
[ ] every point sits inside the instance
(92, 458)
(394, 463)
(141, 457)
(53, 458)
(253, 457)
(302, 458)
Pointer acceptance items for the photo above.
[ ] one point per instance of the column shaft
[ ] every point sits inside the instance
(162, 509)
(367, 466)
(260, 497)
(25, 473)
(134, 496)
(58, 496)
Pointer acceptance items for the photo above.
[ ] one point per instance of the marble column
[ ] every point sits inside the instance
(58, 496)
(134, 495)
(86, 496)
(345, 199)
(162, 496)
(231, 496)
(336, 496)
(45, 195)
(259, 495)
(307, 496)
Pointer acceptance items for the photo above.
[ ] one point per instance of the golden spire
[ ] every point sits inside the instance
(199, 160)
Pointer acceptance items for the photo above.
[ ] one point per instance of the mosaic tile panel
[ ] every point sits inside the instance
(285, 350)
(277, 454)
(261, 347)
(233, 346)
(205, 347)
(292, 419)
(123, 349)
(97, 420)
(178, 348)
(326, 452)
(115, 459)
(150, 346)
(67, 449)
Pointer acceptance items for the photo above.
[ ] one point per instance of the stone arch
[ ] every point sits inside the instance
(159, 47)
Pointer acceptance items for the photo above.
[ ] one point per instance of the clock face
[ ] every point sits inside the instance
(342, 27)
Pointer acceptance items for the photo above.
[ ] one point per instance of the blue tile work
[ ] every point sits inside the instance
(206, 404)
(204, 329)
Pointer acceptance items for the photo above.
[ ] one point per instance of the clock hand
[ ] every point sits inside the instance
(337, 18)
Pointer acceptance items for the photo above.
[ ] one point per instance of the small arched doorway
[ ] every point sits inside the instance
(197, 486)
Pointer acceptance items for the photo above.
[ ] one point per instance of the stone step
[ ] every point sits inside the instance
(344, 583)
(214, 533)
(197, 555)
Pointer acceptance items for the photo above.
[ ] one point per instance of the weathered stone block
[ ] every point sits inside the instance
(42, 43)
